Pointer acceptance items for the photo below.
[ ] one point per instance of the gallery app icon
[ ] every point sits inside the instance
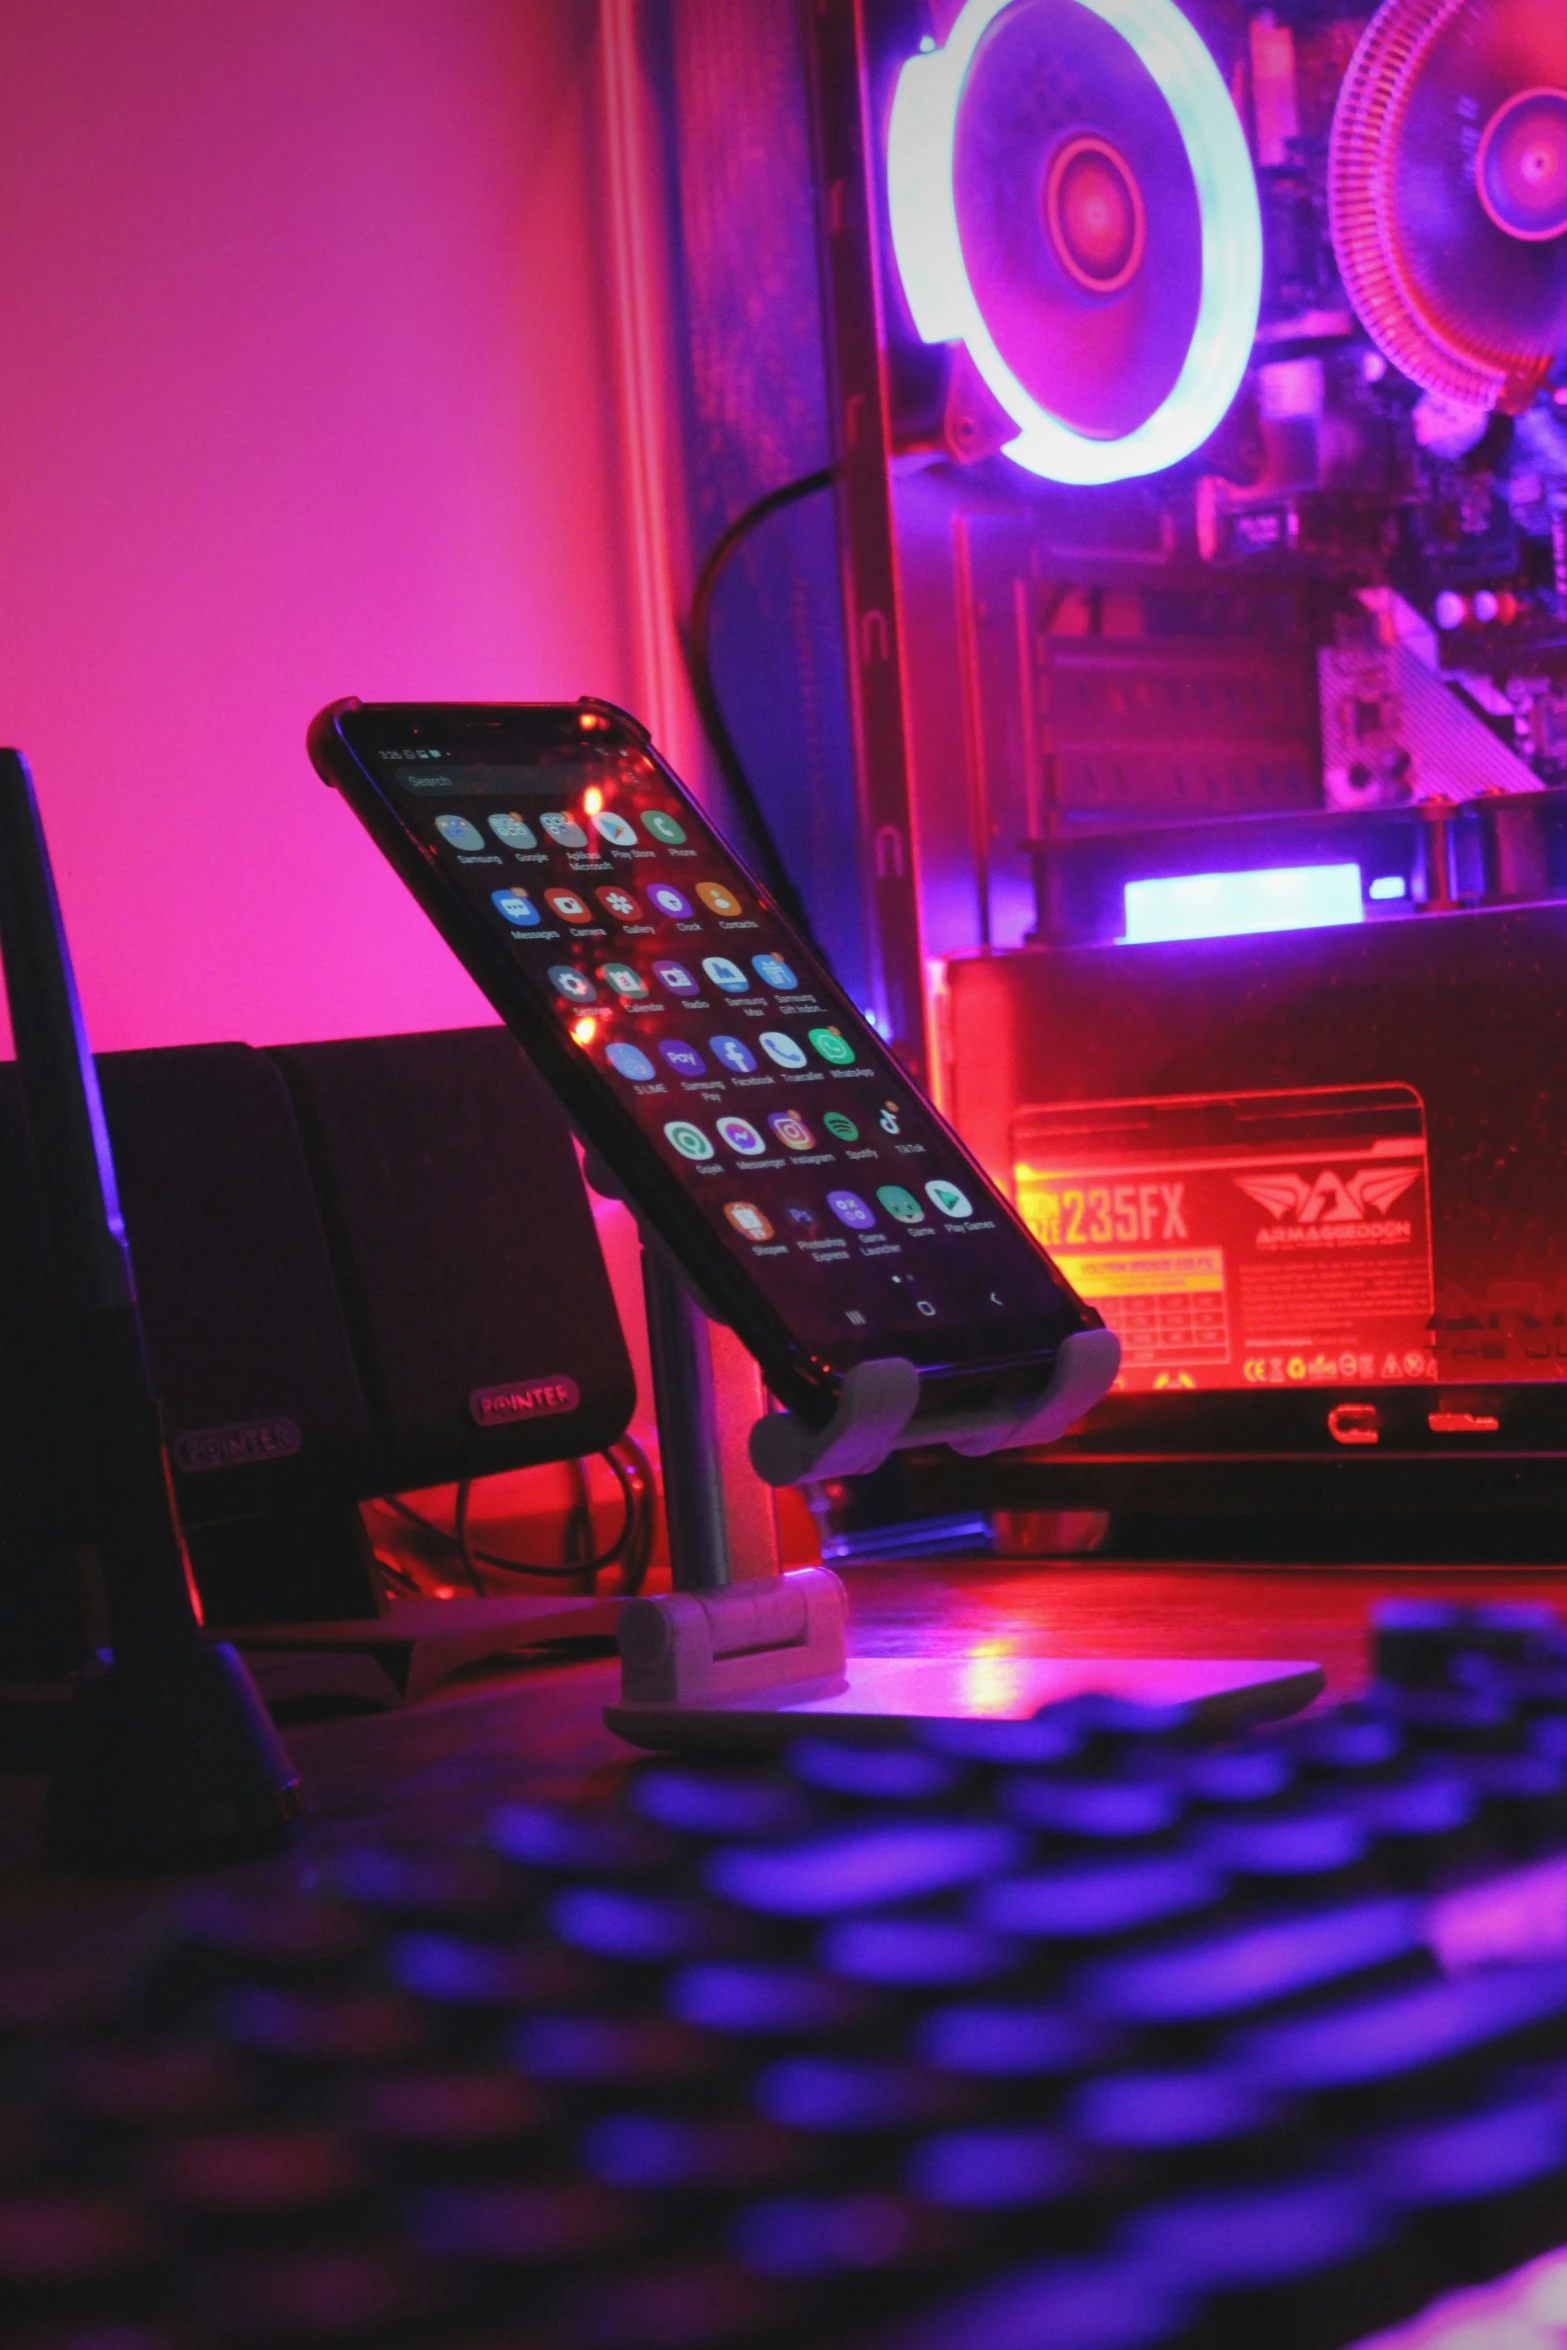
(775, 972)
(748, 1219)
(741, 1136)
(623, 979)
(726, 975)
(630, 1063)
(676, 978)
(665, 828)
(624, 904)
(566, 906)
(733, 1054)
(833, 1046)
(687, 1139)
(792, 1130)
(574, 985)
(684, 1059)
(850, 1209)
(460, 833)
(900, 1204)
(781, 1048)
(719, 900)
(844, 1128)
(564, 830)
(514, 830)
(614, 829)
(516, 907)
(671, 902)
(949, 1199)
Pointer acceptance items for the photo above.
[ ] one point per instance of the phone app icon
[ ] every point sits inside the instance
(574, 985)
(614, 829)
(623, 979)
(900, 1204)
(781, 1048)
(844, 1128)
(726, 975)
(564, 830)
(833, 1046)
(775, 971)
(630, 1063)
(669, 900)
(566, 906)
(664, 828)
(684, 1059)
(748, 1219)
(459, 832)
(792, 1130)
(687, 1139)
(949, 1199)
(622, 903)
(516, 907)
(719, 900)
(850, 1209)
(675, 977)
(741, 1136)
(890, 1118)
(733, 1054)
(515, 831)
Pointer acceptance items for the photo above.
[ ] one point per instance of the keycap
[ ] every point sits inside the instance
(762, 1999)
(720, 1802)
(875, 1774)
(1013, 2042)
(1092, 1900)
(863, 1868)
(1208, 1976)
(1056, 2305)
(1376, 2040)
(916, 1953)
(1094, 1810)
(1486, 2189)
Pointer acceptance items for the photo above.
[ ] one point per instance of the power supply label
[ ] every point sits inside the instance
(1242, 1240)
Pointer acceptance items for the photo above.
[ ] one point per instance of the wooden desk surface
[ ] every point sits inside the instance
(433, 1770)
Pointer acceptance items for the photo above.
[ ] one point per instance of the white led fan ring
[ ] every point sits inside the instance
(929, 253)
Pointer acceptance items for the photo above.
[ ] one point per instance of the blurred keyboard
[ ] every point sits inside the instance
(1072, 2034)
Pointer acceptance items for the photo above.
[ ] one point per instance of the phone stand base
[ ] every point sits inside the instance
(746, 1669)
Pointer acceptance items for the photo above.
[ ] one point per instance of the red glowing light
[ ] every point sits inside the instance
(593, 799)
(583, 1031)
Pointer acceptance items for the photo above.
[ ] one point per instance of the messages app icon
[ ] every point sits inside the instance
(516, 907)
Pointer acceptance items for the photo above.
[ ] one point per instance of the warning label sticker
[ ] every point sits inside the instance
(1246, 1240)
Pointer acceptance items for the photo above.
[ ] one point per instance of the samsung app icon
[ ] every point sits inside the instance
(775, 972)
(564, 830)
(516, 907)
(630, 1063)
(684, 1059)
(459, 832)
(850, 1209)
(675, 977)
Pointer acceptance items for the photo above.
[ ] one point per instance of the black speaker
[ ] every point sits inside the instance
(477, 1299)
(267, 1429)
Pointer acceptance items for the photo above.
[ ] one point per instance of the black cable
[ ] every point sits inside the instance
(700, 668)
(631, 1550)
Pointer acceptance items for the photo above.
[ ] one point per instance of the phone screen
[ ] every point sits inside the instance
(784, 1118)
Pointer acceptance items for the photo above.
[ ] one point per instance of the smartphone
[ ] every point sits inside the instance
(816, 1200)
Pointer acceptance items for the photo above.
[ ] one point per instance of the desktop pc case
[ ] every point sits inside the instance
(1211, 758)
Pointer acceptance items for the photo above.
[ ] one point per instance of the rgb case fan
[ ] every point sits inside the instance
(1071, 198)
(1447, 193)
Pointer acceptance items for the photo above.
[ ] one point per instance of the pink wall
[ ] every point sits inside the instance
(308, 388)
